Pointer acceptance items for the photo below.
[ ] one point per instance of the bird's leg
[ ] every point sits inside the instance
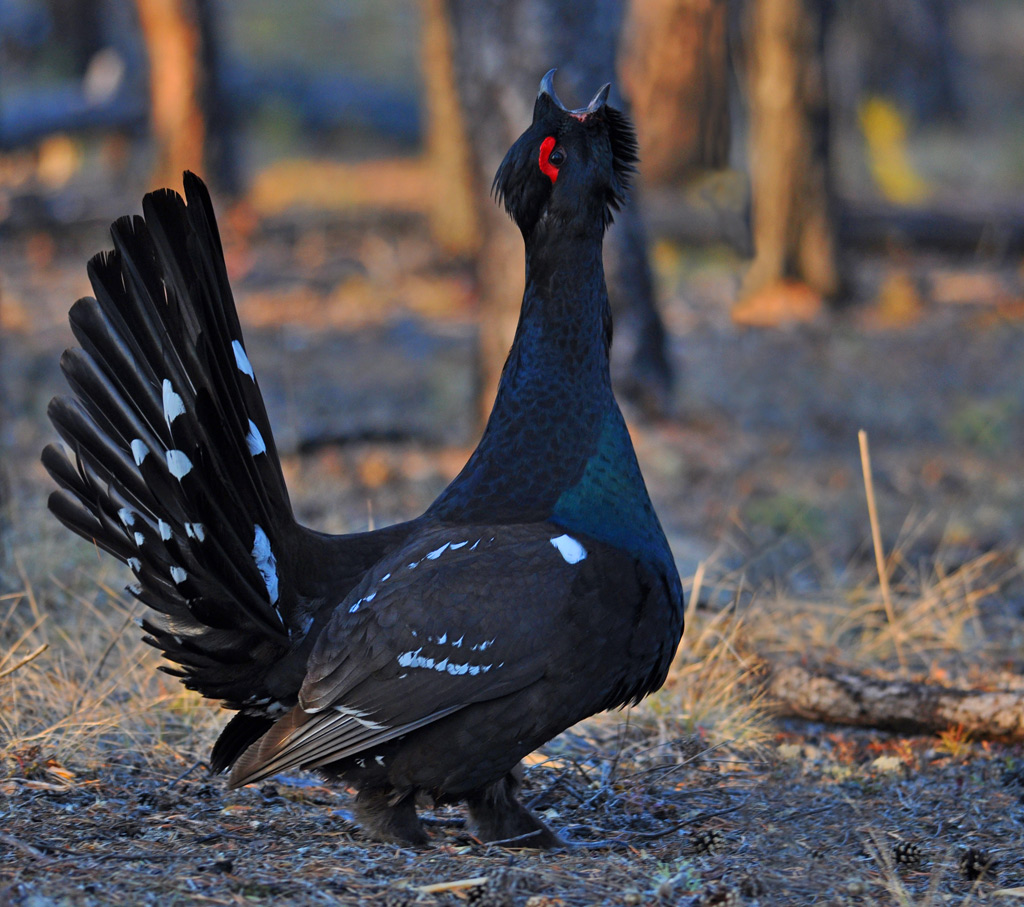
(384, 819)
(496, 815)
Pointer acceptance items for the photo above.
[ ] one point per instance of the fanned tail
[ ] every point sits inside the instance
(172, 465)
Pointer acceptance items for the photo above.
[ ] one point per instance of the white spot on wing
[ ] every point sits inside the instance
(178, 464)
(165, 530)
(437, 552)
(174, 406)
(178, 575)
(126, 517)
(195, 531)
(135, 564)
(359, 716)
(457, 545)
(139, 539)
(265, 561)
(571, 550)
(139, 451)
(254, 440)
(241, 360)
(414, 659)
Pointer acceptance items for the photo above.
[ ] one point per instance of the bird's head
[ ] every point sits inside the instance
(571, 168)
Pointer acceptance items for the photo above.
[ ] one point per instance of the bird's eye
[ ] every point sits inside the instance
(550, 158)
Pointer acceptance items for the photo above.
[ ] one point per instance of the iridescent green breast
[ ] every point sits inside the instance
(610, 500)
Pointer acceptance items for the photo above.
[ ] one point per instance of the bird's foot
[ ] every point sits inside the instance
(497, 817)
(383, 818)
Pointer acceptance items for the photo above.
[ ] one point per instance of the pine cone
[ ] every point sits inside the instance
(720, 896)
(974, 863)
(497, 891)
(908, 853)
(707, 841)
(752, 886)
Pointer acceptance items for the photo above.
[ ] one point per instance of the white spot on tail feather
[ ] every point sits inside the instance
(165, 530)
(139, 451)
(174, 406)
(265, 561)
(572, 551)
(135, 564)
(178, 575)
(241, 360)
(178, 464)
(139, 539)
(254, 440)
(195, 531)
(126, 517)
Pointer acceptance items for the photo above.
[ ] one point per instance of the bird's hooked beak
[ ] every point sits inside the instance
(547, 87)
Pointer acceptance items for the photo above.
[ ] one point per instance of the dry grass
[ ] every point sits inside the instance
(712, 688)
(76, 684)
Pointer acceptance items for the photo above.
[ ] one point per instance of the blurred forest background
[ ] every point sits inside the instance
(827, 235)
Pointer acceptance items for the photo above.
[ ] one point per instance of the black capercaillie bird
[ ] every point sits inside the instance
(426, 657)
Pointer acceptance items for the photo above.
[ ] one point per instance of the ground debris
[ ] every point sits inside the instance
(819, 819)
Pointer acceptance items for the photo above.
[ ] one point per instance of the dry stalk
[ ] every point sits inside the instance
(876, 540)
(32, 656)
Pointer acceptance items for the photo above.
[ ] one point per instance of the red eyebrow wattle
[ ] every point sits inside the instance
(546, 167)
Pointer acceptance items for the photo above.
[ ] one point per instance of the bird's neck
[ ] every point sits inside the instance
(556, 446)
(561, 347)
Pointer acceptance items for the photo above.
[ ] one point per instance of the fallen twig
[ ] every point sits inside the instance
(844, 696)
(30, 657)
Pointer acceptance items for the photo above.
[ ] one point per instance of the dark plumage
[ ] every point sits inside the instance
(427, 657)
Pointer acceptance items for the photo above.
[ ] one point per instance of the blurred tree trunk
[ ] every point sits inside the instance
(675, 70)
(501, 51)
(792, 217)
(453, 213)
(171, 32)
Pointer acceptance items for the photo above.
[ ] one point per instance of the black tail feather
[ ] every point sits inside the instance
(172, 465)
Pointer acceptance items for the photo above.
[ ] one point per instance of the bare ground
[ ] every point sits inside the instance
(823, 817)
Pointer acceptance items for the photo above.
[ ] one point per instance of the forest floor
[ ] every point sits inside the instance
(363, 340)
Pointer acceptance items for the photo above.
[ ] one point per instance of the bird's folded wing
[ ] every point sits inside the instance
(458, 615)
